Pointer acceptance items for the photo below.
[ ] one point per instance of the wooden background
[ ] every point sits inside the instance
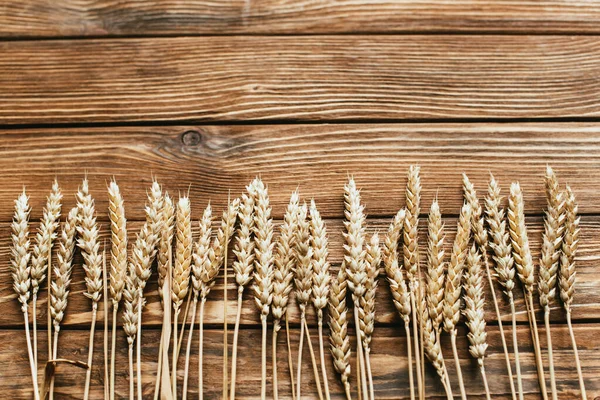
(302, 92)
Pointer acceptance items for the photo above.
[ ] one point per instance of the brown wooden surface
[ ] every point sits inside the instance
(314, 78)
(205, 95)
(108, 18)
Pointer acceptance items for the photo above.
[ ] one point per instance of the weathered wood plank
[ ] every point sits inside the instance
(210, 160)
(587, 301)
(106, 18)
(308, 78)
(389, 365)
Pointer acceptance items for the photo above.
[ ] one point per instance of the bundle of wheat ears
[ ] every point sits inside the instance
(432, 289)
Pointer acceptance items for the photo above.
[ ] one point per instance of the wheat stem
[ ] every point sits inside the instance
(411, 378)
(537, 348)
(360, 352)
(138, 347)
(263, 387)
(516, 344)
(461, 384)
(201, 350)
(236, 331)
(157, 380)
(131, 386)
(577, 362)
(300, 348)
(174, 355)
(48, 308)
(34, 329)
(88, 374)
(113, 350)
(106, 317)
(322, 355)
(225, 311)
(289, 351)
(276, 328)
(188, 348)
(485, 381)
(313, 360)
(186, 311)
(36, 392)
(358, 378)
(550, 356)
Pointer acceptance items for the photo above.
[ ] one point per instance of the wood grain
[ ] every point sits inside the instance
(35, 18)
(211, 160)
(317, 78)
(586, 307)
(389, 366)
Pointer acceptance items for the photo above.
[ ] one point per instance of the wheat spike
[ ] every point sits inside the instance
(504, 262)
(567, 271)
(303, 272)
(165, 242)
(183, 252)
(201, 250)
(263, 264)
(338, 329)
(435, 266)
(130, 317)
(118, 235)
(474, 312)
(367, 303)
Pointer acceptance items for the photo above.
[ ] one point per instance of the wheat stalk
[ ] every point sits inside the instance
(338, 329)
(62, 281)
(367, 304)
(353, 262)
(321, 278)
(87, 241)
(567, 271)
(549, 259)
(504, 262)
(283, 275)
(395, 277)
(20, 271)
(411, 254)
(263, 264)
(474, 312)
(40, 257)
(524, 265)
(165, 245)
(130, 318)
(181, 272)
(243, 266)
(453, 285)
(480, 235)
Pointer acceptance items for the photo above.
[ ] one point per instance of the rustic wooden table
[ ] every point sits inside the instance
(210, 94)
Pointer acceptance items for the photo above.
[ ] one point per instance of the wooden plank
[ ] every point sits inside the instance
(211, 160)
(587, 302)
(318, 78)
(389, 364)
(199, 17)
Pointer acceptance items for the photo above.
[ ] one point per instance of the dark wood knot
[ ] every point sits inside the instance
(191, 138)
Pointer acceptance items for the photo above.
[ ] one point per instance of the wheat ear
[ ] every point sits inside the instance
(20, 271)
(40, 258)
(549, 259)
(411, 255)
(283, 276)
(338, 329)
(165, 244)
(243, 266)
(118, 265)
(130, 319)
(62, 281)
(480, 234)
(504, 262)
(395, 277)
(367, 304)
(474, 312)
(181, 271)
(524, 265)
(354, 263)
(321, 279)
(87, 241)
(453, 285)
(263, 264)
(567, 271)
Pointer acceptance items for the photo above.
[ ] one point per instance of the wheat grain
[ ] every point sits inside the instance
(474, 312)
(504, 262)
(165, 242)
(283, 276)
(19, 269)
(338, 329)
(435, 266)
(398, 288)
(367, 303)
(567, 272)
(263, 264)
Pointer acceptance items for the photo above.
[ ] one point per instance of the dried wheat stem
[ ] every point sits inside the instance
(189, 347)
(20, 271)
(367, 304)
(105, 306)
(263, 275)
(480, 235)
(353, 262)
(567, 271)
(321, 279)
(474, 311)
(549, 260)
(504, 262)
(453, 285)
(283, 275)
(411, 255)
(524, 265)
(228, 232)
(243, 266)
(130, 318)
(289, 351)
(338, 329)
(395, 277)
